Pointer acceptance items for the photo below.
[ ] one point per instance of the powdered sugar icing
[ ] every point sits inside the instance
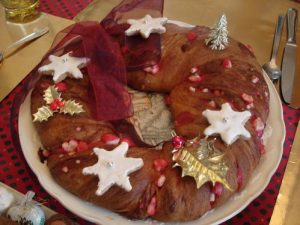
(228, 123)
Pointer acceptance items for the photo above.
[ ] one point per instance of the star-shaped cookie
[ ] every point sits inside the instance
(228, 123)
(146, 26)
(113, 168)
(63, 66)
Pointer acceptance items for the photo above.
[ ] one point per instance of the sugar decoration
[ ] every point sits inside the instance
(229, 124)
(146, 26)
(113, 167)
(62, 66)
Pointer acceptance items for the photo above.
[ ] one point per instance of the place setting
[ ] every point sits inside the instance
(288, 71)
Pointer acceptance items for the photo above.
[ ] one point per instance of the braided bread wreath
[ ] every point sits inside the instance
(147, 172)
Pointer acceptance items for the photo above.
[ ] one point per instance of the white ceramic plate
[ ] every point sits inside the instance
(261, 177)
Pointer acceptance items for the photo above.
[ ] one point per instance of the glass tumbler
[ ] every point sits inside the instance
(21, 11)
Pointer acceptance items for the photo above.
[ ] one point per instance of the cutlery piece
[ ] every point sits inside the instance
(271, 68)
(22, 41)
(289, 56)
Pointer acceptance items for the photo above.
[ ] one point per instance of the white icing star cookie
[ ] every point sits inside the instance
(228, 123)
(113, 168)
(146, 26)
(63, 66)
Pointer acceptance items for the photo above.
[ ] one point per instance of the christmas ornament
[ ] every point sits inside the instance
(177, 141)
(218, 38)
(6, 199)
(228, 123)
(201, 160)
(27, 212)
(146, 26)
(56, 104)
(63, 66)
(113, 168)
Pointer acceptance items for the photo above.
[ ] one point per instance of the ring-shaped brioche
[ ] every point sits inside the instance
(178, 199)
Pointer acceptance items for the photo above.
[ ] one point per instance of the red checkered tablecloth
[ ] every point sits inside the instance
(16, 173)
(63, 8)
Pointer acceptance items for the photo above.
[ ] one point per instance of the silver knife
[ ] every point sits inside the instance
(9, 50)
(289, 56)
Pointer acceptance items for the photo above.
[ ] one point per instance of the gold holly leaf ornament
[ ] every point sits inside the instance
(55, 103)
(50, 94)
(201, 160)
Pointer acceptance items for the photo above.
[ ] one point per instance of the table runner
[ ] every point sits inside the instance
(15, 172)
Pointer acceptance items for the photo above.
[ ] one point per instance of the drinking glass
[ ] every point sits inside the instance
(21, 11)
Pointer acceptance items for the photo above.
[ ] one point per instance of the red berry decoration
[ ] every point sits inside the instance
(194, 70)
(82, 146)
(217, 189)
(191, 35)
(258, 124)
(128, 140)
(53, 106)
(262, 147)
(160, 181)
(247, 98)
(46, 153)
(56, 104)
(240, 177)
(212, 104)
(151, 209)
(178, 142)
(196, 78)
(227, 64)
(110, 139)
(217, 93)
(160, 164)
(60, 103)
(167, 99)
(61, 86)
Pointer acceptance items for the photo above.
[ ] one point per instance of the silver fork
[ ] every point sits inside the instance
(22, 41)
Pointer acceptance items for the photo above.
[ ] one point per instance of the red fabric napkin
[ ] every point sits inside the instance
(106, 70)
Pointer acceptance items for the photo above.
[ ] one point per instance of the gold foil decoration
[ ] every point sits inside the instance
(67, 106)
(201, 160)
(42, 114)
(71, 107)
(50, 94)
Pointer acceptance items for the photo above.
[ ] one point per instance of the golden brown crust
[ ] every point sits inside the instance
(178, 199)
(59, 219)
